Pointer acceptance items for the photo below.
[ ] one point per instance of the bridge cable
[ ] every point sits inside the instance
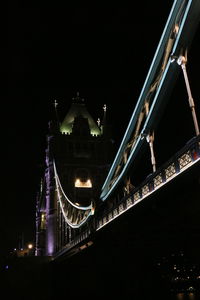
(75, 215)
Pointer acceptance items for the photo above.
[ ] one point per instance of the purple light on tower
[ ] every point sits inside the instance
(50, 245)
(50, 204)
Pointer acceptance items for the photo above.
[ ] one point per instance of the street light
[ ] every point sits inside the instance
(30, 246)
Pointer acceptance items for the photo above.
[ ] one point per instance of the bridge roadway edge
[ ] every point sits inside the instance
(122, 261)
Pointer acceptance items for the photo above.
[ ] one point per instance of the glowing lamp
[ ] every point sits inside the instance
(30, 246)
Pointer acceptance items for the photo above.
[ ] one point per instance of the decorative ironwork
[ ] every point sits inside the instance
(157, 180)
(104, 220)
(136, 196)
(145, 190)
(121, 208)
(129, 202)
(115, 212)
(110, 216)
(170, 171)
(183, 18)
(185, 159)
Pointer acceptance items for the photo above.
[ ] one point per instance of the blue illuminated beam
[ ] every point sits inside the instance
(182, 22)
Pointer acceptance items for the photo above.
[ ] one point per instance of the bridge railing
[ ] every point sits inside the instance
(182, 160)
(76, 243)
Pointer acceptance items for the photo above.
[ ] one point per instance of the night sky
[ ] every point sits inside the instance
(53, 52)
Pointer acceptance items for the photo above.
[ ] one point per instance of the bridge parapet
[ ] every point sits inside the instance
(186, 158)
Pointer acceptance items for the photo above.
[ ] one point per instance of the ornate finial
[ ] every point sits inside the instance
(41, 185)
(98, 122)
(104, 108)
(55, 103)
(77, 99)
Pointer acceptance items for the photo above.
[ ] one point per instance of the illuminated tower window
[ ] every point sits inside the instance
(83, 184)
(43, 220)
(82, 179)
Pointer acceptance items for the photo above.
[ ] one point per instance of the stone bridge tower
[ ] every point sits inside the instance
(78, 155)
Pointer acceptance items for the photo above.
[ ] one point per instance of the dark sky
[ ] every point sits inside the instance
(55, 51)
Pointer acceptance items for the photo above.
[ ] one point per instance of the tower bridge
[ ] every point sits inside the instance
(84, 195)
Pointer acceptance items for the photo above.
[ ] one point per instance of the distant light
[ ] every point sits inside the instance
(30, 246)
(176, 29)
(43, 217)
(6, 267)
(180, 296)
